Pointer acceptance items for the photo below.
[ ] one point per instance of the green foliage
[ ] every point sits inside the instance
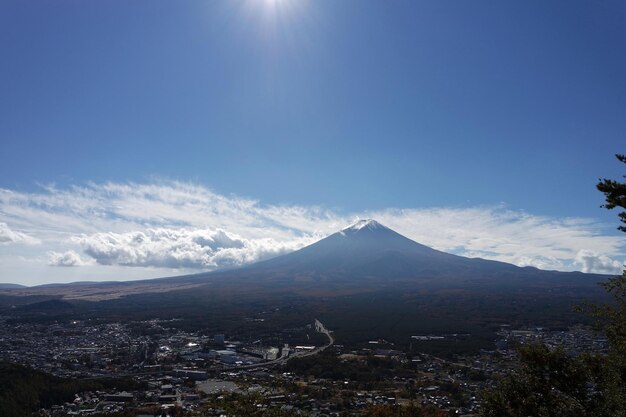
(614, 314)
(365, 374)
(550, 383)
(612, 317)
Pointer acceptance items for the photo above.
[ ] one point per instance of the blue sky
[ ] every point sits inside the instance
(345, 108)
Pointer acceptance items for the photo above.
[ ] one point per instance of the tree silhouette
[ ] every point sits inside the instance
(550, 383)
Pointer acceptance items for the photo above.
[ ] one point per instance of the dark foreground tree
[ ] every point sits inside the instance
(612, 317)
(550, 383)
(615, 194)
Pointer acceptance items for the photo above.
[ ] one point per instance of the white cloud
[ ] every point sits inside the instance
(68, 258)
(7, 235)
(590, 261)
(169, 224)
(507, 235)
(182, 248)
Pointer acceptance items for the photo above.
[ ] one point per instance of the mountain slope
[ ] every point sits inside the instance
(365, 256)
(5, 286)
(369, 253)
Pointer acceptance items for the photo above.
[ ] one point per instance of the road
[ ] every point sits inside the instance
(319, 327)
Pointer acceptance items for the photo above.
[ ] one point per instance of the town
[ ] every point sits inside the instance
(298, 371)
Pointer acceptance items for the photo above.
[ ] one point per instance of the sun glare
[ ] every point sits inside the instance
(275, 11)
(278, 4)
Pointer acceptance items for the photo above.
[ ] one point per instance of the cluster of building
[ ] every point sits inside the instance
(93, 349)
(575, 340)
(193, 372)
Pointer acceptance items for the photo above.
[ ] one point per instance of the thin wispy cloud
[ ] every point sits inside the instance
(178, 225)
(7, 235)
(511, 236)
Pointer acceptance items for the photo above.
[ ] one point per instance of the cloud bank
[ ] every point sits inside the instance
(590, 261)
(178, 225)
(69, 258)
(182, 248)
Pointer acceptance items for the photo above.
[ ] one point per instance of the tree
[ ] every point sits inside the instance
(549, 383)
(612, 317)
(615, 194)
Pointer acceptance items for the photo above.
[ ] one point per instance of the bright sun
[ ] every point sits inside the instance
(275, 3)
(274, 10)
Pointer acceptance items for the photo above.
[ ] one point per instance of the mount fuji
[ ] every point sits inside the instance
(366, 280)
(362, 257)
(370, 254)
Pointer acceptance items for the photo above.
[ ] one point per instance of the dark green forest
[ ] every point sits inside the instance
(24, 391)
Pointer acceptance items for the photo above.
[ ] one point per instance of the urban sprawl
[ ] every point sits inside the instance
(198, 373)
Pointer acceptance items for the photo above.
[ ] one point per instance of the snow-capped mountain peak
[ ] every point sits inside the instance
(366, 223)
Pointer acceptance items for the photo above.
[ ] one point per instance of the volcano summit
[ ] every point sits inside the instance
(367, 281)
(364, 256)
(370, 254)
